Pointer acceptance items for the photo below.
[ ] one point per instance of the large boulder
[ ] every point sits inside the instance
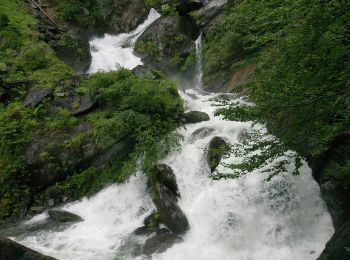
(218, 147)
(167, 43)
(63, 216)
(170, 213)
(338, 247)
(11, 250)
(160, 243)
(194, 117)
(166, 176)
(201, 133)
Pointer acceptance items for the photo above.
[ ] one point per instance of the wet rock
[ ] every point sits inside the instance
(160, 243)
(218, 147)
(166, 176)
(194, 117)
(142, 231)
(35, 96)
(12, 250)
(202, 132)
(63, 216)
(167, 43)
(338, 247)
(170, 213)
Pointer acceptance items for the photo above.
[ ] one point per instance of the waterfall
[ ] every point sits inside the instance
(115, 51)
(199, 72)
(246, 218)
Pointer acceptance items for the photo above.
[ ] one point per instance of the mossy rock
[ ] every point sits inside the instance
(194, 117)
(218, 147)
(167, 43)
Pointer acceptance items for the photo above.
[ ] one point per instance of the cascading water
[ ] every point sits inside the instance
(246, 218)
(115, 51)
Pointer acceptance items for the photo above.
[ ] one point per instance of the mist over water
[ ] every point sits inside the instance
(236, 219)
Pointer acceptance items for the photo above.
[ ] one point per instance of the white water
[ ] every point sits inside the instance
(241, 219)
(108, 53)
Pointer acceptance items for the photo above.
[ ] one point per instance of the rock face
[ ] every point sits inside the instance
(218, 147)
(74, 49)
(54, 162)
(160, 243)
(167, 43)
(35, 96)
(170, 213)
(338, 247)
(63, 216)
(194, 117)
(118, 16)
(11, 250)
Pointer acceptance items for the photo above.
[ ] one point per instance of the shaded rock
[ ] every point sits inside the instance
(73, 48)
(160, 243)
(218, 147)
(140, 70)
(194, 117)
(77, 105)
(170, 213)
(63, 216)
(332, 194)
(338, 247)
(35, 96)
(167, 43)
(130, 248)
(166, 176)
(202, 132)
(12, 250)
(117, 151)
(142, 231)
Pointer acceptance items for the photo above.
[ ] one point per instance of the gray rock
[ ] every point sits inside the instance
(202, 132)
(218, 147)
(170, 213)
(194, 117)
(166, 176)
(63, 216)
(11, 250)
(160, 243)
(167, 43)
(35, 96)
(338, 247)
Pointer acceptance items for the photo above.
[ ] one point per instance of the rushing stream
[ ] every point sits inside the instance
(236, 219)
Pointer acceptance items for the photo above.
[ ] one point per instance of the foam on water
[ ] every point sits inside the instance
(115, 51)
(244, 219)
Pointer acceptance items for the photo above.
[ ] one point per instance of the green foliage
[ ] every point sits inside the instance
(301, 84)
